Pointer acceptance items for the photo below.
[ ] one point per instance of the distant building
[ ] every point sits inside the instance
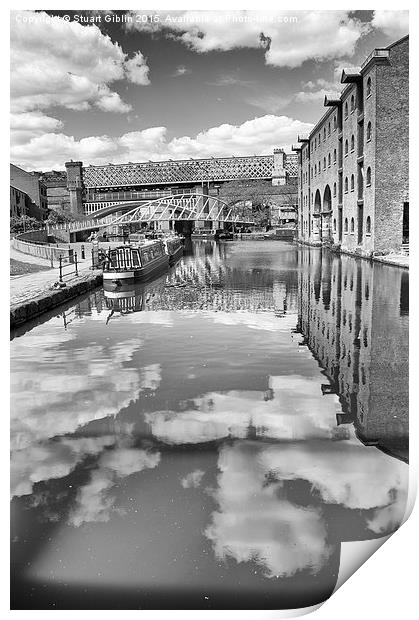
(354, 165)
(19, 202)
(30, 184)
(58, 196)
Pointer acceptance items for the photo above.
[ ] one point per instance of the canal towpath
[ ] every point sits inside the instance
(25, 287)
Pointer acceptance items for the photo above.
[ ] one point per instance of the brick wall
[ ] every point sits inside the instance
(392, 128)
(349, 135)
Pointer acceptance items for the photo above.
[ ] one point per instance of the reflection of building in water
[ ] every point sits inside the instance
(206, 281)
(353, 317)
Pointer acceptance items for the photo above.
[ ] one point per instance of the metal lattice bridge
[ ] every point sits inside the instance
(177, 207)
(181, 207)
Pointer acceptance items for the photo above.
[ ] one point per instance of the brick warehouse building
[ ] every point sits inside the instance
(353, 166)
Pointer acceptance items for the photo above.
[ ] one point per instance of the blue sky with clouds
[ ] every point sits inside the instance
(118, 87)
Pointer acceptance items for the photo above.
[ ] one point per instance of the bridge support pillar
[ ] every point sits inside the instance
(162, 225)
(279, 176)
(75, 186)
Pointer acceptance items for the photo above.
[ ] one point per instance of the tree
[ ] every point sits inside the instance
(250, 200)
(24, 223)
(59, 216)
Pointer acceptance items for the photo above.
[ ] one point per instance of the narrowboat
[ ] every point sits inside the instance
(203, 233)
(174, 248)
(223, 235)
(135, 262)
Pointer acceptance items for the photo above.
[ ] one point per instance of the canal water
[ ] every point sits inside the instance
(211, 439)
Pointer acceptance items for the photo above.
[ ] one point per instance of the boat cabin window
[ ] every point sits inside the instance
(124, 258)
(150, 253)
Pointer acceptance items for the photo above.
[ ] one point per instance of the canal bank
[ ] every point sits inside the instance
(32, 294)
(27, 309)
(392, 259)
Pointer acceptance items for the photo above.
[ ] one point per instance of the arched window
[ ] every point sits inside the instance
(324, 133)
(346, 185)
(368, 225)
(346, 147)
(335, 122)
(324, 163)
(328, 130)
(320, 139)
(369, 131)
(352, 103)
(368, 87)
(334, 189)
(352, 183)
(329, 160)
(315, 143)
(315, 169)
(352, 225)
(352, 143)
(334, 156)
(368, 176)
(346, 110)
(346, 225)
(334, 225)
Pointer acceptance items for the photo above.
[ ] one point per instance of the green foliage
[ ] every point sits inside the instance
(250, 200)
(24, 223)
(58, 216)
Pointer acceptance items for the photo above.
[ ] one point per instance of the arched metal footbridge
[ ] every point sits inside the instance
(174, 207)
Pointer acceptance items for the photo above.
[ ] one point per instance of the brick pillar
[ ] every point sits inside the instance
(75, 186)
(279, 176)
(316, 230)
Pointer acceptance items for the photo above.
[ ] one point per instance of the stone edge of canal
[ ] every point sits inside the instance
(51, 298)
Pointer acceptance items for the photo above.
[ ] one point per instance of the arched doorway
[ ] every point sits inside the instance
(317, 202)
(327, 214)
(317, 218)
(327, 199)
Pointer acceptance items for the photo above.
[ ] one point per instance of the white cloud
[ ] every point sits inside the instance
(345, 472)
(63, 63)
(256, 522)
(259, 135)
(28, 125)
(294, 408)
(393, 23)
(288, 39)
(137, 70)
(46, 461)
(94, 382)
(253, 523)
(60, 63)
(193, 479)
(306, 96)
(94, 502)
(181, 70)
(112, 102)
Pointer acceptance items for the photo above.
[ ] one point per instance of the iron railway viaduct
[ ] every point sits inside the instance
(99, 191)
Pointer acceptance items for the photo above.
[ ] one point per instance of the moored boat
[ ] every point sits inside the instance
(135, 262)
(203, 233)
(174, 248)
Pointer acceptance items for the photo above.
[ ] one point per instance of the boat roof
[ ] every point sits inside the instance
(140, 244)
